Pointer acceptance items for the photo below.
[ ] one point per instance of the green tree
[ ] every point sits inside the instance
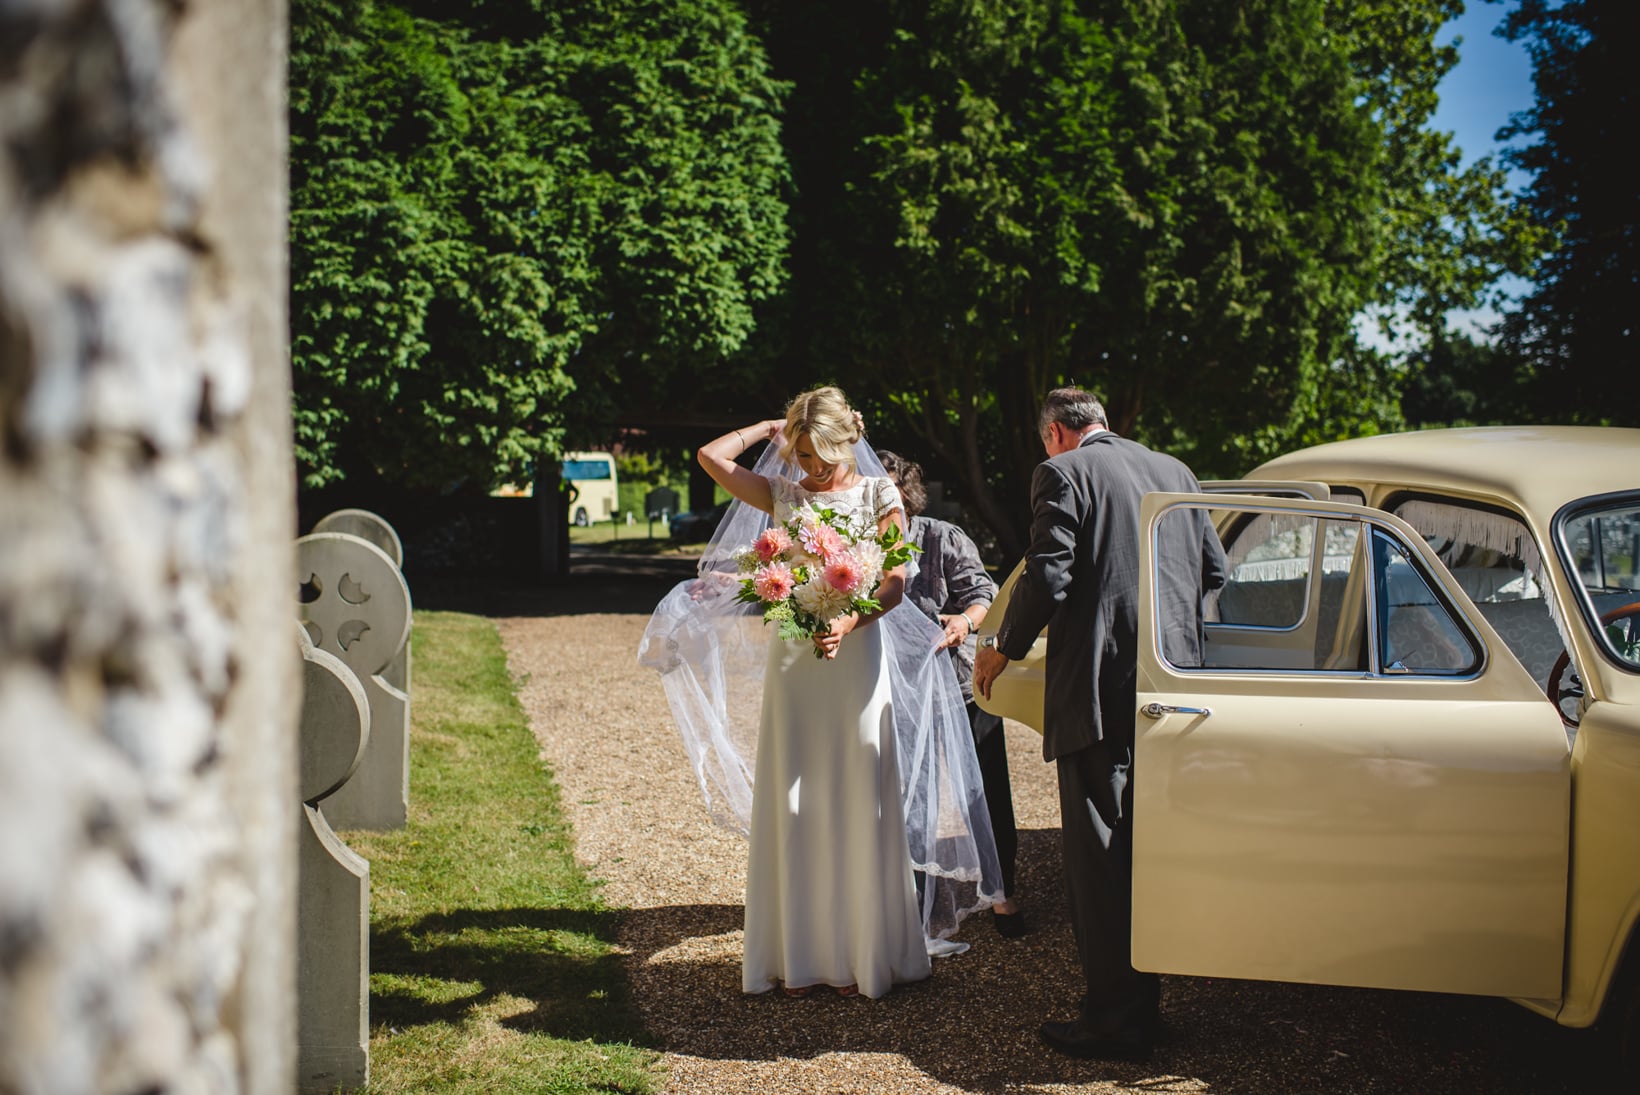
(508, 220)
(1576, 328)
(1181, 204)
(1458, 380)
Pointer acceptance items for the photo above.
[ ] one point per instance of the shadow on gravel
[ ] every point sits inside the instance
(973, 1023)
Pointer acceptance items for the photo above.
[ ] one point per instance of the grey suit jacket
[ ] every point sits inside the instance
(1081, 581)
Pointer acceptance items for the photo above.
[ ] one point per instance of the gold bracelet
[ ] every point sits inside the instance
(742, 441)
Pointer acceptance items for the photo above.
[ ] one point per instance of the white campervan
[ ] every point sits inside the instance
(591, 475)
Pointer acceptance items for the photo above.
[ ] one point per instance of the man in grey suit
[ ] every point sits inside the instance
(1081, 580)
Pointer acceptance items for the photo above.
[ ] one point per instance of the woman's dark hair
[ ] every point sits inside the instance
(907, 475)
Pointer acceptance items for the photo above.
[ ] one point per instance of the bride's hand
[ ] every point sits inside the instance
(771, 427)
(713, 583)
(827, 642)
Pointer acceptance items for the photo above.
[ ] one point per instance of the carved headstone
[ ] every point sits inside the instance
(355, 605)
(367, 526)
(333, 894)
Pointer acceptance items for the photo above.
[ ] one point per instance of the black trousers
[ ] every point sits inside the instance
(1096, 811)
(991, 746)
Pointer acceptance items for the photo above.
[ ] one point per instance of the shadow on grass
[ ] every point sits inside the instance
(439, 968)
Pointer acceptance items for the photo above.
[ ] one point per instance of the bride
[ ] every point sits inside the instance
(868, 828)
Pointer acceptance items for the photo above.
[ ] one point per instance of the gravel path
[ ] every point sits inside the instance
(641, 827)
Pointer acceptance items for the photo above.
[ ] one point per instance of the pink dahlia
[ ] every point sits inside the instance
(843, 573)
(774, 543)
(774, 582)
(823, 540)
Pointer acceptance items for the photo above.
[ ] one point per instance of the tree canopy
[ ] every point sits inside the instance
(1577, 326)
(1180, 204)
(514, 221)
(506, 219)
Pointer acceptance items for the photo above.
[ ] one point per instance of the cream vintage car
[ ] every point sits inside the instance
(1411, 759)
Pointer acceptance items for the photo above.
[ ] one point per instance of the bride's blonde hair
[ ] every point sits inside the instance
(832, 425)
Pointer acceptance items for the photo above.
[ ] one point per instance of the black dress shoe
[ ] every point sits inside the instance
(1010, 925)
(1076, 1040)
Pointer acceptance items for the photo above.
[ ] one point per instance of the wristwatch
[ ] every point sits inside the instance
(989, 642)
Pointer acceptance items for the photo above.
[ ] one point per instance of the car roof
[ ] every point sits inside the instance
(1539, 468)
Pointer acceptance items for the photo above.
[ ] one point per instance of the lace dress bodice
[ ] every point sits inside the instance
(863, 505)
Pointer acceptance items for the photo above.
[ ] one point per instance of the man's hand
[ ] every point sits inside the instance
(988, 666)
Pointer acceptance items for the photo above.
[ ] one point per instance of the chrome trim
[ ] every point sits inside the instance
(1157, 710)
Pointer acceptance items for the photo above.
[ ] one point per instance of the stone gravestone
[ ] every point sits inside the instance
(660, 504)
(367, 526)
(333, 893)
(355, 605)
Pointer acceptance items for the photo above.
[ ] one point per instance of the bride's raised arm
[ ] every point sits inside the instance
(718, 458)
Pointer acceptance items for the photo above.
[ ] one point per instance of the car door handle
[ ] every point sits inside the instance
(1157, 710)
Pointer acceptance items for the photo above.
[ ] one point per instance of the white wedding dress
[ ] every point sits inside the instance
(830, 896)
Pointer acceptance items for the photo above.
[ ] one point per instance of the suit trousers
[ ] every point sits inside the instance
(1096, 811)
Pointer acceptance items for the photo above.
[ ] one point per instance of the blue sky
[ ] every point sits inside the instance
(1492, 80)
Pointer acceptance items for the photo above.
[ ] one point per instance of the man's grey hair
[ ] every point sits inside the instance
(1072, 408)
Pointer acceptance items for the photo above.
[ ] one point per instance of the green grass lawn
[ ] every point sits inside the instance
(618, 537)
(633, 539)
(491, 963)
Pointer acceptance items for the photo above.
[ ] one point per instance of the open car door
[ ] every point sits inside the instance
(1373, 798)
(1017, 693)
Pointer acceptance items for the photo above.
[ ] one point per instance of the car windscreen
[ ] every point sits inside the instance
(1601, 543)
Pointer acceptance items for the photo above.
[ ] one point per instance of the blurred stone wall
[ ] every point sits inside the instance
(148, 662)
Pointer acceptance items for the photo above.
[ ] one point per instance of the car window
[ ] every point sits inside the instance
(1490, 553)
(1317, 592)
(1497, 564)
(1603, 548)
(1271, 557)
(1348, 494)
(1417, 633)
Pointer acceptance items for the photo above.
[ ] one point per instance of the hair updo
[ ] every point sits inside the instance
(832, 425)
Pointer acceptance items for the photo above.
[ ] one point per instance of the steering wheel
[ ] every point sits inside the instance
(1563, 686)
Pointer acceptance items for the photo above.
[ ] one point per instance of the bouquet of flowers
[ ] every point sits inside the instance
(815, 568)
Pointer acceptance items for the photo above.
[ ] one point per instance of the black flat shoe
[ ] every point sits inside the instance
(1010, 925)
(1075, 1040)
